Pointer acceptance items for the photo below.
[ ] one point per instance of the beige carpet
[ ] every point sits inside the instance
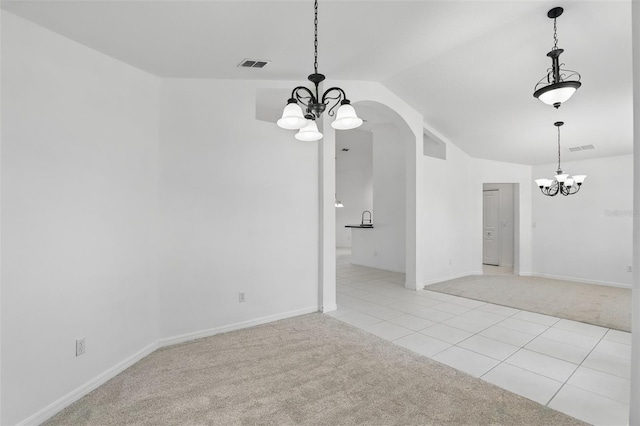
(594, 304)
(308, 370)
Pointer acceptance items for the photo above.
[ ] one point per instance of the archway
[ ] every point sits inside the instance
(406, 129)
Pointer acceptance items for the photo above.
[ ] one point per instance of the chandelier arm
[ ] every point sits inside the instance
(304, 100)
(327, 98)
(567, 74)
(574, 189)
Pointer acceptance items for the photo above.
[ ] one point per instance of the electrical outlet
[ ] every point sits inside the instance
(81, 346)
(241, 297)
(629, 269)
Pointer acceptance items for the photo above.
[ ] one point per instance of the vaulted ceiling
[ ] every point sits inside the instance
(468, 66)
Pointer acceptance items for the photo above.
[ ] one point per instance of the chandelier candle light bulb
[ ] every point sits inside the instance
(562, 183)
(292, 116)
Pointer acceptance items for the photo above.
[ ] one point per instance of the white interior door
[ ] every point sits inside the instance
(491, 227)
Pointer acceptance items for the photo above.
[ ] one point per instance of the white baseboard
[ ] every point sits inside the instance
(329, 308)
(416, 286)
(231, 327)
(55, 407)
(381, 267)
(450, 277)
(577, 280)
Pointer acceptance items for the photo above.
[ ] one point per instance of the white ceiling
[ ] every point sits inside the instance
(468, 66)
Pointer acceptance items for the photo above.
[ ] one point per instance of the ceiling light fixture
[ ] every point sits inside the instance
(562, 183)
(292, 116)
(559, 84)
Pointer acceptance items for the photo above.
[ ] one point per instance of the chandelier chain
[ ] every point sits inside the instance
(559, 149)
(315, 41)
(555, 35)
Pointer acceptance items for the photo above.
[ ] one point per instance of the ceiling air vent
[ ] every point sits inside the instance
(253, 63)
(581, 148)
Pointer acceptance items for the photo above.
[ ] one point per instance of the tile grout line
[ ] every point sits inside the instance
(574, 371)
(384, 286)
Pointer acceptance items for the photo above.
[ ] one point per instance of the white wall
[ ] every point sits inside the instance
(506, 220)
(453, 217)
(354, 181)
(383, 247)
(239, 209)
(634, 408)
(587, 236)
(79, 194)
(447, 219)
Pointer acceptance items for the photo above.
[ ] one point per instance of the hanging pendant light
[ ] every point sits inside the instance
(562, 183)
(315, 105)
(559, 84)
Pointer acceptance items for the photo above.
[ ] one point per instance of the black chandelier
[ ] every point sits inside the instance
(292, 116)
(559, 84)
(562, 183)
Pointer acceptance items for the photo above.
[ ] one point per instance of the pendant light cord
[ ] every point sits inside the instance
(315, 41)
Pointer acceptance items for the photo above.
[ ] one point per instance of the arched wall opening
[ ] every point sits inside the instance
(373, 166)
(400, 128)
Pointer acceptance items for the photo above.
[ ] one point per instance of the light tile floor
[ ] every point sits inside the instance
(579, 369)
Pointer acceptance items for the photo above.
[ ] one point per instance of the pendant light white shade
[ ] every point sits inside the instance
(561, 178)
(292, 117)
(309, 132)
(579, 179)
(346, 118)
(558, 95)
(569, 182)
(544, 183)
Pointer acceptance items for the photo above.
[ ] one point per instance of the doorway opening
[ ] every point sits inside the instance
(371, 185)
(500, 222)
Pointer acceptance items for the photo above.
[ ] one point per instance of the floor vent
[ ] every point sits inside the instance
(253, 63)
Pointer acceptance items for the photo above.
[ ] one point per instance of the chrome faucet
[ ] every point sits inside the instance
(369, 221)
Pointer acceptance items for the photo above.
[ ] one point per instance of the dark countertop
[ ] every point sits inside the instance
(359, 226)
